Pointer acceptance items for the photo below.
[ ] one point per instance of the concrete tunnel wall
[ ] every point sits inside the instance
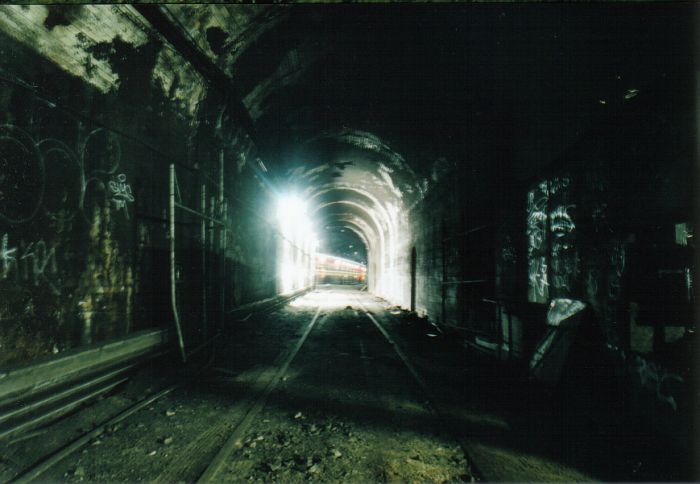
(591, 205)
(93, 111)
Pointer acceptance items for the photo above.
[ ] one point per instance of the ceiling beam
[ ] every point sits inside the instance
(203, 64)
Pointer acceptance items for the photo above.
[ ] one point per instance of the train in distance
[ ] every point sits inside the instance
(337, 270)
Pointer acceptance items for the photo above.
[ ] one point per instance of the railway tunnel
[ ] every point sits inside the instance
(353, 243)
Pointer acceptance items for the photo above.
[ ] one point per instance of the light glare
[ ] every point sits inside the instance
(297, 249)
(291, 209)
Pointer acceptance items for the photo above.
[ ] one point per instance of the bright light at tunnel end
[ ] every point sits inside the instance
(298, 244)
(290, 208)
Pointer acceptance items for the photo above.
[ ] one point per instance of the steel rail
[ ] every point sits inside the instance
(24, 413)
(216, 465)
(62, 410)
(104, 384)
(432, 402)
(37, 470)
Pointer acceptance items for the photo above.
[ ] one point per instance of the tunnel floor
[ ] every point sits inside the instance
(345, 409)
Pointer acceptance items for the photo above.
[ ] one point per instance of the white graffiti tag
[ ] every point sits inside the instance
(561, 223)
(9, 260)
(121, 193)
(32, 262)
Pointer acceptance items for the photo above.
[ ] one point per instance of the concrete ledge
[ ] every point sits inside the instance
(39, 376)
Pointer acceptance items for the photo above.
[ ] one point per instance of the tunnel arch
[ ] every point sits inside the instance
(356, 210)
(358, 226)
(382, 253)
(370, 231)
(354, 175)
(349, 225)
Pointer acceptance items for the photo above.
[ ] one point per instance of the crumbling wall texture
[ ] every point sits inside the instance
(608, 222)
(94, 109)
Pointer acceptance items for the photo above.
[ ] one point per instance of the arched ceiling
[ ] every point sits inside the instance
(343, 241)
(359, 106)
(351, 176)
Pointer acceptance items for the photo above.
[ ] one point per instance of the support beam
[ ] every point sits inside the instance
(208, 69)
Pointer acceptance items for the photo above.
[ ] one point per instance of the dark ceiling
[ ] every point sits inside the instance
(359, 106)
(419, 76)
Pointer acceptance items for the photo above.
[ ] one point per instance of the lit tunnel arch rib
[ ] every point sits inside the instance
(379, 225)
(356, 197)
(359, 229)
(354, 176)
(371, 227)
(363, 222)
(360, 211)
(364, 232)
(355, 226)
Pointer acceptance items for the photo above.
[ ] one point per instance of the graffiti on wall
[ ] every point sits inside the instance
(47, 176)
(561, 223)
(664, 384)
(539, 286)
(121, 193)
(609, 272)
(537, 205)
(49, 192)
(31, 262)
(564, 258)
(552, 258)
(537, 217)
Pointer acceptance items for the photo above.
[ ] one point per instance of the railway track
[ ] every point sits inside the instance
(37, 471)
(255, 403)
(215, 468)
(248, 411)
(432, 401)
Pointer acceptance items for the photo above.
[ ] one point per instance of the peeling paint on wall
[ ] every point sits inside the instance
(180, 83)
(65, 44)
(82, 41)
